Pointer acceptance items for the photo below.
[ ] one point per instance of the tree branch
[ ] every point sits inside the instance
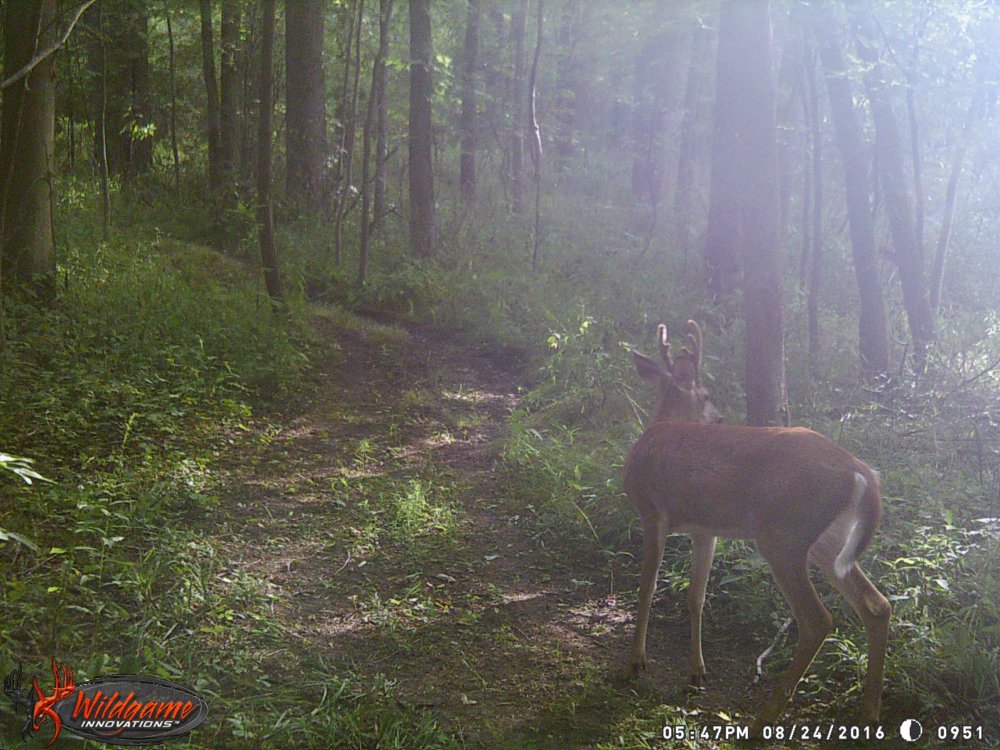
(40, 56)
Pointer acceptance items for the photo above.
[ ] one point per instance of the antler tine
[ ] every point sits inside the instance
(694, 339)
(661, 334)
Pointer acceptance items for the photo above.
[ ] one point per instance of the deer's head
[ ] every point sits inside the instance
(678, 380)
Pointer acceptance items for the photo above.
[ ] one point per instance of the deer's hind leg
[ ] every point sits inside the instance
(654, 537)
(791, 571)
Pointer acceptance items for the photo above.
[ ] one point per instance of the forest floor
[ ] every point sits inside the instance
(376, 516)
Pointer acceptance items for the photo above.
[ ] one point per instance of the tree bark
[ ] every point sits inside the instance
(908, 253)
(749, 30)
(212, 98)
(422, 219)
(27, 132)
(265, 212)
(305, 117)
(873, 337)
(467, 165)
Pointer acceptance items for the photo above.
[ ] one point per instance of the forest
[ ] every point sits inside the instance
(327, 329)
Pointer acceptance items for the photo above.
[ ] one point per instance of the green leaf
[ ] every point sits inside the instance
(10, 536)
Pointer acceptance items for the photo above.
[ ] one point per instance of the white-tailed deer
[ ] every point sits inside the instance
(800, 495)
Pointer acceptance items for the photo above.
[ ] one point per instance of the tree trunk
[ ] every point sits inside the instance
(519, 21)
(422, 220)
(229, 93)
(908, 253)
(467, 165)
(305, 117)
(746, 25)
(212, 98)
(26, 151)
(379, 206)
(265, 213)
(873, 337)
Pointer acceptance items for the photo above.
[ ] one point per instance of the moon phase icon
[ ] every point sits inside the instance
(910, 730)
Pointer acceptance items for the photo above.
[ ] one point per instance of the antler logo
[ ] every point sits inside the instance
(121, 709)
(41, 706)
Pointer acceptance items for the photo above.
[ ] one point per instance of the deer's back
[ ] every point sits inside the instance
(732, 480)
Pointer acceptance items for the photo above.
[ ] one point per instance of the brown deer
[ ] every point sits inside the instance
(800, 495)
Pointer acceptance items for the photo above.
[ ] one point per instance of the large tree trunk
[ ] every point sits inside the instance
(873, 337)
(467, 165)
(305, 118)
(908, 253)
(229, 92)
(28, 251)
(265, 212)
(422, 220)
(762, 252)
(212, 98)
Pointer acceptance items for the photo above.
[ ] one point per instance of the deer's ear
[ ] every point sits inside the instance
(649, 369)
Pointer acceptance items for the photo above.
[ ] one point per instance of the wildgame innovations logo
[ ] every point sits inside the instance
(122, 709)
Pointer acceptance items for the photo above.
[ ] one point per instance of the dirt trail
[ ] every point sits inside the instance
(394, 548)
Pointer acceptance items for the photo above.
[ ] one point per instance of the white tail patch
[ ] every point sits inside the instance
(842, 565)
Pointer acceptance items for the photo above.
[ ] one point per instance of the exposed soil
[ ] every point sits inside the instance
(378, 516)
